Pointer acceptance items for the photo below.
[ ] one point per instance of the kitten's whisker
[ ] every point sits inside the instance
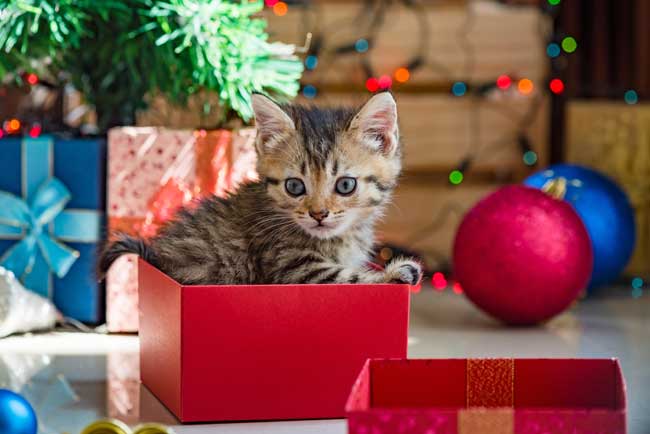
(261, 238)
(261, 228)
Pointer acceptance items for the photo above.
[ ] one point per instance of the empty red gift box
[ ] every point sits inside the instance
(263, 352)
(488, 396)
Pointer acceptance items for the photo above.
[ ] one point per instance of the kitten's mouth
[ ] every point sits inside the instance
(319, 230)
(320, 226)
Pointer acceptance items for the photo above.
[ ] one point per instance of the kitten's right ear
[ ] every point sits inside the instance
(271, 121)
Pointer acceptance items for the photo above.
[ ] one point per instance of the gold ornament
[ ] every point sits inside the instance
(114, 426)
(107, 426)
(152, 428)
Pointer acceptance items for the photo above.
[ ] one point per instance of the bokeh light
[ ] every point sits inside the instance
(459, 88)
(631, 97)
(569, 44)
(372, 84)
(457, 288)
(12, 125)
(439, 281)
(32, 79)
(402, 75)
(557, 86)
(361, 45)
(385, 82)
(553, 50)
(271, 3)
(554, 2)
(311, 61)
(280, 9)
(530, 158)
(504, 82)
(309, 91)
(35, 131)
(525, 86)
(456, 177)
(386, 253)
(637, 283)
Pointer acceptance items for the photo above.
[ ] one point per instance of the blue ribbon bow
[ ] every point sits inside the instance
(40, 222)
(47, 203)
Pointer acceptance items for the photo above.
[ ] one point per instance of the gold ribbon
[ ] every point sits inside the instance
(490, 397)
(486, 421)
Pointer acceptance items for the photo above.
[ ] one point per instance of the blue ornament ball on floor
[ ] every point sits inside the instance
(16, 415)
(605, 211)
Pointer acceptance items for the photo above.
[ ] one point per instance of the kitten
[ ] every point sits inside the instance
(326, 176)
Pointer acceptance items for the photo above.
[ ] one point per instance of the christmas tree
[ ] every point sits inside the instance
(117, 53)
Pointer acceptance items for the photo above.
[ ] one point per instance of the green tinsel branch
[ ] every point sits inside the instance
(118, 52)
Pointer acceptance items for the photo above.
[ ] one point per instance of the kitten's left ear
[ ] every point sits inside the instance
(271, 121)
(377, 123)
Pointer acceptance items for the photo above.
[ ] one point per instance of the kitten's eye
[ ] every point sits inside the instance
(346, 185)
(294, 186)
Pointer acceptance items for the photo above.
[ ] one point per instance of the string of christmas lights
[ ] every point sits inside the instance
(14, 126)
(370, 23)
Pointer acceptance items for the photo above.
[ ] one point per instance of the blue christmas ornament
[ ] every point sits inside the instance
(605, 211)
(16, 415)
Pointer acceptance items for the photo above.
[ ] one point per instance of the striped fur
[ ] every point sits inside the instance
(262, 234)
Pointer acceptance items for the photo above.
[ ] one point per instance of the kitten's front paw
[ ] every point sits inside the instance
(403, 270)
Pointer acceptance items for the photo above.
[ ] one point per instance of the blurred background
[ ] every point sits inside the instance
(488, 92)
(113, 114)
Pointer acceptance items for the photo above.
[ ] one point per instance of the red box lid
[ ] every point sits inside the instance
(488, 396)
(263, 352)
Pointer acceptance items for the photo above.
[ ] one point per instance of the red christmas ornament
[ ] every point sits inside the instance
(522, 256)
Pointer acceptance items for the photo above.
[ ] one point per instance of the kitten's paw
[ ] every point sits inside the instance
(403, 270)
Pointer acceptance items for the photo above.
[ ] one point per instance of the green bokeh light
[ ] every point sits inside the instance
(554, 2)
(631, 97)
(637, 283)
(530, 158)
(569, 44)
(456, 177)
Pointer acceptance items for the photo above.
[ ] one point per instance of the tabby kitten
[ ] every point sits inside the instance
(326, 176)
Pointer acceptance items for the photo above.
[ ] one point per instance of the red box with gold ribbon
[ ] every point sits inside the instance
(488, 396)
(151, 173)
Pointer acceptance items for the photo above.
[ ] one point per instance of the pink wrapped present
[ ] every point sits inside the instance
(123, 387)
(151, 173)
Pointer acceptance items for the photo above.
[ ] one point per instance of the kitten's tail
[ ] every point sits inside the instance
(122, 245)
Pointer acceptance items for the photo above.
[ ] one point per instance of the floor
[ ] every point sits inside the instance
(75, 378)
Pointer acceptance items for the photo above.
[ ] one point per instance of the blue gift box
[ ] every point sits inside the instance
(52, 206)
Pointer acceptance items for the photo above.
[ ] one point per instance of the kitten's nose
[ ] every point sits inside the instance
(319, 215)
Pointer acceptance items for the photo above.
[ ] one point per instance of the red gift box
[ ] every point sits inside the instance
(263, 352)
(488, 396)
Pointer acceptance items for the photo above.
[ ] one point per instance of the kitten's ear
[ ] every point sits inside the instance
(271, 121)
(377, 123)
